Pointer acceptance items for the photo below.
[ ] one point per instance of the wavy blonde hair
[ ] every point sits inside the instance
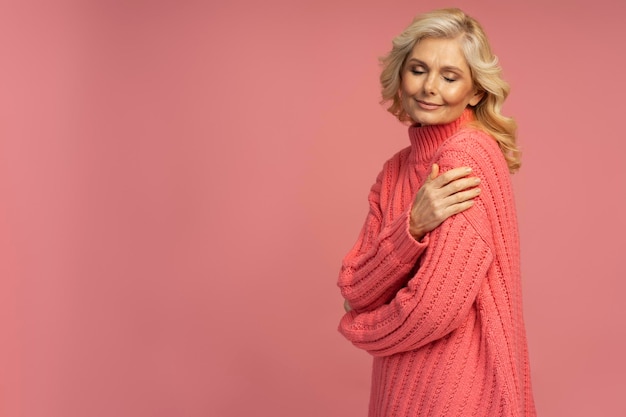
(486, 73)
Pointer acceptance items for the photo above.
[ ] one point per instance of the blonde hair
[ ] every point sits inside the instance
(486, 73)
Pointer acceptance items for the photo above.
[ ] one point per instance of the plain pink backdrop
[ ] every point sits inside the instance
(179, 181)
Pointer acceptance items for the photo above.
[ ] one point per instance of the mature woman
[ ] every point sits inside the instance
(439, 305)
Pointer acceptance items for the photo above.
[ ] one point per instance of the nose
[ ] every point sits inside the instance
(430, 84)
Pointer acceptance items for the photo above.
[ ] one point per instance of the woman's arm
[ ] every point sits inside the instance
(382, 259)
(434, 302)
(441, 293)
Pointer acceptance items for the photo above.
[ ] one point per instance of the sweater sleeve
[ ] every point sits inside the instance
(439, 296)
(381, 261)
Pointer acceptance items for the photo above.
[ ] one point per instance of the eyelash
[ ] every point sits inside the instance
(418, 72)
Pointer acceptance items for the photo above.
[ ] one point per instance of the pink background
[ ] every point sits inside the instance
(180, 180)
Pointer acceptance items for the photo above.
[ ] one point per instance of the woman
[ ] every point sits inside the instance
(439, 306)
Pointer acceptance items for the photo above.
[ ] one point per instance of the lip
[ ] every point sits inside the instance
(427, 106)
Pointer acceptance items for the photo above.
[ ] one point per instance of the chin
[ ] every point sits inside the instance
(424, 121)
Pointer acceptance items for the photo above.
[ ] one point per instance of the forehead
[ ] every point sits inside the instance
(440, 52)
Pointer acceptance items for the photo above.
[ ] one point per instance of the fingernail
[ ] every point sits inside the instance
(468, 170)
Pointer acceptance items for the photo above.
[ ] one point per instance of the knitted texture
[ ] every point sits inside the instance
(443, 316)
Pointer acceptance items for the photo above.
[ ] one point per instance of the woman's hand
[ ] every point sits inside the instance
(346, 306)
(440, 197)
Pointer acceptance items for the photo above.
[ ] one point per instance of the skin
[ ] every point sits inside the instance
(437, 83)
(436, 87)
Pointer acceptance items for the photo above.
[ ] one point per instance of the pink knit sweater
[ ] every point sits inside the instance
(442, 317)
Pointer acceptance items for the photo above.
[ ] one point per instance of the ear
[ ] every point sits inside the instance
(478, 95)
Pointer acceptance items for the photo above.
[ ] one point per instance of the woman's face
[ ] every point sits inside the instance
(436, 82)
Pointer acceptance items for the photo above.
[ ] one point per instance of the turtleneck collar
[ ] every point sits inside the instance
(425, 140)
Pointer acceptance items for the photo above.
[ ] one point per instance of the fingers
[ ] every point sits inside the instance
(442, 196)
(463, 196)
(451, 175)
(458, 202)
(455, 187)
(458, 208)
(460, 185)
(431, 199)
(434, 172)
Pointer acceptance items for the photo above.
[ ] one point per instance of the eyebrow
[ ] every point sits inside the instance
(445, 68)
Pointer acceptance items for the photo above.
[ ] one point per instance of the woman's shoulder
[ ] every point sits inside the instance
(471, 138)
(471, 143)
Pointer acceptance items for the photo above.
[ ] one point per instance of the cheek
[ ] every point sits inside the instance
(459, 96)
(409, 85)
(404, 92)
(403, 89)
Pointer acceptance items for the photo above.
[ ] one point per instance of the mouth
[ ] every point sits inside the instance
(427, 106)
